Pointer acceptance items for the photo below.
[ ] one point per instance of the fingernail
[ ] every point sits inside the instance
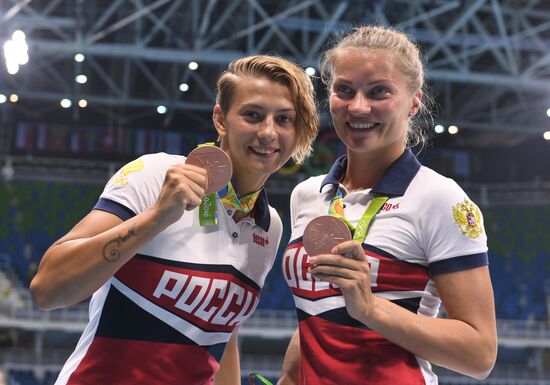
(311, 260)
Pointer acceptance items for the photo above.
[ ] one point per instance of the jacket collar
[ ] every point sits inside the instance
(260, 212)
(394, 182)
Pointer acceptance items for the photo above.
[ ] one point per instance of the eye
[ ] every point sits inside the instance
(343, 90)
(285, 119)
(252, 115)
(379, 91)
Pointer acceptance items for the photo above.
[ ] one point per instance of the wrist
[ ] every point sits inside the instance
(372, 312)
(159, 218)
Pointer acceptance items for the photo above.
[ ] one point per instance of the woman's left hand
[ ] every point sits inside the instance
(348, 268)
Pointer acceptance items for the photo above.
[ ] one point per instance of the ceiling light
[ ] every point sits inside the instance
(66, 103)
(546, 135)
(310, 71)
(453, 130)
(16, 52)
(3, 98)
(14, 98)
(81, 79)
(79, 57)
(439, 129)
(184, 87)
(161, 109)
(82, 103)
(18, 36)
(193, 65)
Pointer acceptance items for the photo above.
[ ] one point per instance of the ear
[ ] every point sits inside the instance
(416, 103)
(219, 122)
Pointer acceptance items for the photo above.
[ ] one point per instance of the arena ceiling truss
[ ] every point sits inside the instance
(488, 60)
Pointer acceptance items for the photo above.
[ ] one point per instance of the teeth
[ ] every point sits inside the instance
(263, 150)
(362, 125)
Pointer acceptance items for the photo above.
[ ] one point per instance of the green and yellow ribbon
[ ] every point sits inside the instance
(230, 199)
(336, 209)
(208, 214)
(263, 380)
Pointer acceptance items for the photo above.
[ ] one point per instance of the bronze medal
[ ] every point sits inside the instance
(323, 233)
(217, 164)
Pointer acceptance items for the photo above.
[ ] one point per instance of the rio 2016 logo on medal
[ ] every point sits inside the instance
(468, 218)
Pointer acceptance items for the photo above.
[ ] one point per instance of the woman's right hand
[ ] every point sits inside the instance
(183, 189)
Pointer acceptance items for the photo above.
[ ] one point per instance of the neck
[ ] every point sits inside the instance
(243, 180)
(244, 186)
(365, 171)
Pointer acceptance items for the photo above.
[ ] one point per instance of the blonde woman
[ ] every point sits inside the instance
(367, 308)
(169, 292)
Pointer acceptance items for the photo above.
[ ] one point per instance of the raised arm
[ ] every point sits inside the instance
(84, 259)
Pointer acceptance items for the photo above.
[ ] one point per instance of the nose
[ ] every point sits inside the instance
(359, 104)
(267, 130)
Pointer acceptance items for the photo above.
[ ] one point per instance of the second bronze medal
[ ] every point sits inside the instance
(323, 233)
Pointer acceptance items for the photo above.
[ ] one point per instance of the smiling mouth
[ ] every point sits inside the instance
(263, 151)
(362, 126)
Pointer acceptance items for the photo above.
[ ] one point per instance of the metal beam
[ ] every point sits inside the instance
(491, 79)
(14, 10)
(454, 28)
(123, 51)
(103, 100)
(264, 23)
(125, 21)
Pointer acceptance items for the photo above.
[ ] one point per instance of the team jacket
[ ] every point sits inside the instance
(167, 314)
(427, 227)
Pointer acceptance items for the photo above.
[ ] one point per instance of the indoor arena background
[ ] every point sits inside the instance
(107, 81)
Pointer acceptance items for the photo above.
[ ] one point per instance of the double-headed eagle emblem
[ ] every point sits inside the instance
(468, 218)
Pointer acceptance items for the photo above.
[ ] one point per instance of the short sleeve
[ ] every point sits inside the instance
(452, 230)
(135, 187)
(293, 205)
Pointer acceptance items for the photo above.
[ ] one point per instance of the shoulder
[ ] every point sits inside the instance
(145, 172)
(276, 223)
(307, 189)
(432, 187)
(451, 224)
(161, 159)
(150, 165)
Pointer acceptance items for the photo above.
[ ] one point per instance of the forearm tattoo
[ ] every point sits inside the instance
(111, 252)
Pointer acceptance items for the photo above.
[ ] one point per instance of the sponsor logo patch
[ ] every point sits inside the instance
(259, 240)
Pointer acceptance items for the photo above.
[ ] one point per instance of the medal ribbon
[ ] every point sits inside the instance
(208, 214)
(231, 199)
(336, 209)
(264, 380)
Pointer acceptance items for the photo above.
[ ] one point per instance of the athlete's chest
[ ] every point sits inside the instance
(392, 246)
(243, 245)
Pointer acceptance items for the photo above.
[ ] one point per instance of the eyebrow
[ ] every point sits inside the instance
(347, 81)
(252, 105)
